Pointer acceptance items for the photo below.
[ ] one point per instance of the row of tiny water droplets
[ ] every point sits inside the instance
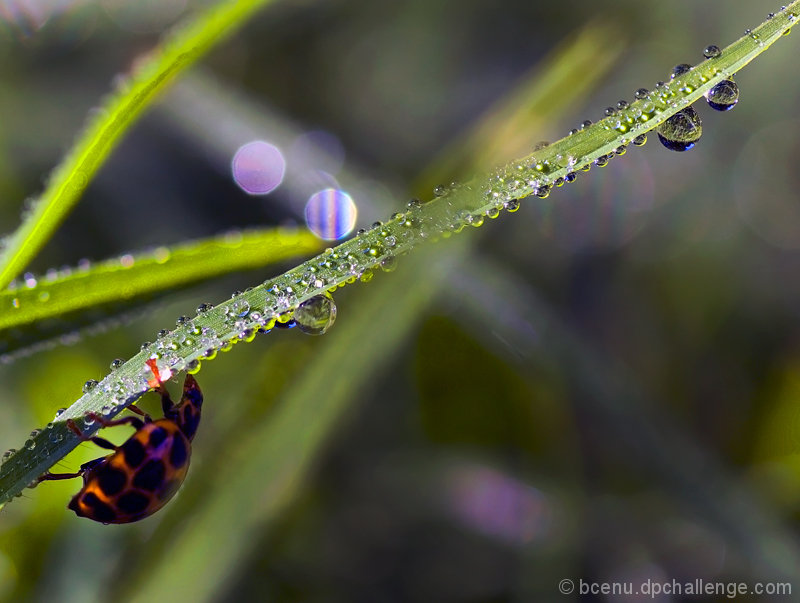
(214, 329)
(558, 164)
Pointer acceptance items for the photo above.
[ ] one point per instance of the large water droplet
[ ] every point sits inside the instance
(680, 70)
(723, 96)
(316, 315)
(681, 131)
(712, 52)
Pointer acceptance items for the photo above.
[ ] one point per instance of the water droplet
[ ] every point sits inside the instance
(512, 205)
(641, 93)
(365, 277)
(573, 131)
(723, 96)
(640, 140)
(8, 453)
(680, 70)
(193, 367)
(162, 333)
(622, 105)
(30, 280)
(59, 412)
(610, 111)
(439, 190)
(89, 386)
(571, 177)
(285, 321)
(238, 308)
(712, 52)
(681, 131)
(586, 124)
(181, 321)
(144, 346)
(389, 263)
(316, 315)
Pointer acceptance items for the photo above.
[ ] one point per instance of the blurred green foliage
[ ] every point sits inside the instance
(478, 439)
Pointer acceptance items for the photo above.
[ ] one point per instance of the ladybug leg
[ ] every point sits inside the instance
(55, 476)
(91, 464)
(140, 412)
(132, 421)
(102, 442)
(84, 468)
(167, 405)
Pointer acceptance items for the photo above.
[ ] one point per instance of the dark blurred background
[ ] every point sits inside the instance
(602, 386)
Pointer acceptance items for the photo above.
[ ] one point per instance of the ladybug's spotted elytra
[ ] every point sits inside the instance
(141, 475)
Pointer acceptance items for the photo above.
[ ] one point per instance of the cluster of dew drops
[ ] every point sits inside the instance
(680, 132)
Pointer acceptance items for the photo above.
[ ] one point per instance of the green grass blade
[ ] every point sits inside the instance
(276, 299)
(70, 178)
(150, 272)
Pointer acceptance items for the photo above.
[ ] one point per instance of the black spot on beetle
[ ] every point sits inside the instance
(179, 453)
(99, 510)
(134, 452)
(131, 503)
(150, 476)
(157, 436)
(111, 480)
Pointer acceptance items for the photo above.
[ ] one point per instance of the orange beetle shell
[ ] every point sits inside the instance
(138, 478)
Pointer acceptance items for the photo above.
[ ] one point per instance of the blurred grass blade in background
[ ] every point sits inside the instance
(56, 303)
(161, 269)
(118, 112)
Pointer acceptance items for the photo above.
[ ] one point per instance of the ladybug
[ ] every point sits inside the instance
(141, 475)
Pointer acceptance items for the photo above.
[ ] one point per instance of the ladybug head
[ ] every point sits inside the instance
(188, 410)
